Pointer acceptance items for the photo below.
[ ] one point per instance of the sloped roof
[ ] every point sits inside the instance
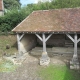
(55, 20)
(1, 5)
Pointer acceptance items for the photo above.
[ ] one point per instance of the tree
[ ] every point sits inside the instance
(65, 4)
(10, 4)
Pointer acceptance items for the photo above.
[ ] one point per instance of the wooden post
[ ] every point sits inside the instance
(75, 45)
(74, 63)
(44, 40)
(44, 43)
(18, 41)
(44, 60)
(75, 56)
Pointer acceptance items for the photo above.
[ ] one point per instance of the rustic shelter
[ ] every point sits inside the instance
(1, 8)
(49, 27)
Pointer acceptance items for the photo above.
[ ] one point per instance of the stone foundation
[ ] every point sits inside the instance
(44, 60)
(74, 63)
(17, 59)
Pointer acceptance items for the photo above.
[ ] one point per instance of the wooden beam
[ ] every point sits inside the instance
(70, 37)
(44, 43)
(39, 37)
(48, 37)
(21, 37)
(18, 41)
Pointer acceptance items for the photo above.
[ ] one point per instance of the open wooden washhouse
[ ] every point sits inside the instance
(50, 27)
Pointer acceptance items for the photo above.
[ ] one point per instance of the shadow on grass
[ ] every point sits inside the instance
(72, 74)
(58, 72)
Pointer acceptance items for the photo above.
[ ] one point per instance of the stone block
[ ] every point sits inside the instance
(74, 65)
(71, 67)
(44, 61)
(77, 67)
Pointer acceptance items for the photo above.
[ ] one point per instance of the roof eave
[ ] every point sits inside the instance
(47, 32)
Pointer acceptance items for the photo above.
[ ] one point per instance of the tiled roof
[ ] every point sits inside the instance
(1, 5)
(56, 20)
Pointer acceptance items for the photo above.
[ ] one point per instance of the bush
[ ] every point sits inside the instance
(4, 27)
(11, 19)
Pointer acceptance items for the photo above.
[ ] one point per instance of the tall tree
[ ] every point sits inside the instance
(9, 4)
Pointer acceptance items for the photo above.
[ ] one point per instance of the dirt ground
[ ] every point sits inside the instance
(28, 69)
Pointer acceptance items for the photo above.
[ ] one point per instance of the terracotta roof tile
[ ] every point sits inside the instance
(1, 5)
(51, 20)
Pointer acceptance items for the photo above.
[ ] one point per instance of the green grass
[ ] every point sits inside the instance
(54, 72)
(11, 41)
(7, 66)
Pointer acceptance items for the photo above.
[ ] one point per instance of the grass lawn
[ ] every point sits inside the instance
(58, 72)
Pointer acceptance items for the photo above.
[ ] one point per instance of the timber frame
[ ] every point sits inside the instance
(44, 39)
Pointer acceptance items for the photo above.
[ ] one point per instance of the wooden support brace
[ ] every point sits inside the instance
(78, 40)
(48, 37)
(21, 37)
(70, 37)
(39, 37)
(43, 39)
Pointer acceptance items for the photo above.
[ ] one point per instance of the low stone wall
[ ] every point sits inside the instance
(28, 42)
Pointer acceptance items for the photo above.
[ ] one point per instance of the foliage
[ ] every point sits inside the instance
(11, 19)
(10, 4)
(65, 3)
(58, 72)
(54, 4)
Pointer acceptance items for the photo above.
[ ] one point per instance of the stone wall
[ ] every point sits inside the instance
(28, 42)
(55, 40)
